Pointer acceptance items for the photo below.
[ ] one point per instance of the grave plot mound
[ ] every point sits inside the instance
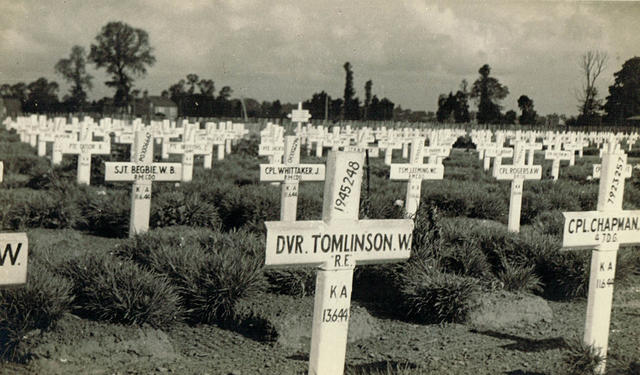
(286, 320)
(505, 309)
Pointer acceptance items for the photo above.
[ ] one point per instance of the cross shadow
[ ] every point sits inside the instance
(386, 367)
(299, 357)
(524, 344)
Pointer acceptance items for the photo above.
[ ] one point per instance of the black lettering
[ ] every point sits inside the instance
(12, 257)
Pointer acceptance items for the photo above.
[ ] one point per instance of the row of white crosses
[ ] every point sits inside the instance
(603, 231)
(79, 138)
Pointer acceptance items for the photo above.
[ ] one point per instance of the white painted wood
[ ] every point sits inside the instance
(518, 172)
(603, 230)
(142, 171)
(337, 243)
(291, 172)
(84, 148)
(414, 173)
(14, 248)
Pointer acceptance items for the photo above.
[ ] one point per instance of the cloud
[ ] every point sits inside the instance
(413, 50)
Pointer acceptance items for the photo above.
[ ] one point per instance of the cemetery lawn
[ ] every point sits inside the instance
(84, 346)
(191, 296)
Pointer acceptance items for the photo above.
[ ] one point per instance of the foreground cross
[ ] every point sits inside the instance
(414, 173)
(142, 171)
(517, 173)
(603, 231)
(291, 173)
(336, 244)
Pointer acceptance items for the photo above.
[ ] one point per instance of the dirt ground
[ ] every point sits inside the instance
(79, 346)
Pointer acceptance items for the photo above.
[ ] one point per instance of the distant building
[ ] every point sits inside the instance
(10, 107)
(155, 106)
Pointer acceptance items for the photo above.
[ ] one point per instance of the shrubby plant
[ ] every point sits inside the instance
(37, 305)
(431, 296)
(211, 270)
(115, 290)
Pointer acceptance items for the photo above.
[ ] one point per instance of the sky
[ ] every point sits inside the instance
(412, 50)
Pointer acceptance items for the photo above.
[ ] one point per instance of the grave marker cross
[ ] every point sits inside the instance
(603, 231)
(517, 173)
(414, 173)
(142, 171)
(85, 147)
(336, 243)
(291, 173)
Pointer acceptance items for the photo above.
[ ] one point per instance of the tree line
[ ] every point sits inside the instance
(125, 54)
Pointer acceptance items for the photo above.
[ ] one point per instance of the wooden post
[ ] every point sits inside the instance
(603, 231)
(414, 172)
(517, 173)
(337, 243)
(291, 173)
(142, 171)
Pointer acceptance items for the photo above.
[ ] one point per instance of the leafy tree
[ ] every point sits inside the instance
(461, 109)
(125, 53)
(224, 107)
(488, 92)
(225, 93)
(177, 93)
(207, 87)
(446, 105)
(529, 115)
(316, 105)
(351, 106)
(510, 117)
(592, 64)
(5, 90)
(17, 91)
(624, 95)
(73, 70)
(367, 97)
(454, 107)
(192, 81)
(42, 97)
(335, 108)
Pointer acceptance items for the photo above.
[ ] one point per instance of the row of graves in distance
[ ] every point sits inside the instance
(340, 240)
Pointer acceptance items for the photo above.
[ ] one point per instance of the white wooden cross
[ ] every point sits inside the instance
(603, 231)
(85, 147)
(531, 146)
(57, 136)
(272, 143)
(14, 248)
(414, 172)
(556, 155)
(188, 148)
(213, 138)
(299, 116)
(389, 143)
(291, 172)
(362, 139)
(142, 171)
(336, 244)
(497, 151)
(517, 173)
